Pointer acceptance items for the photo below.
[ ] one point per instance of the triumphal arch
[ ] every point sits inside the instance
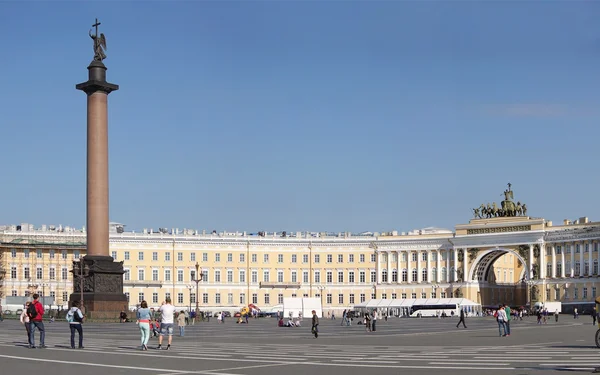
(502, 255)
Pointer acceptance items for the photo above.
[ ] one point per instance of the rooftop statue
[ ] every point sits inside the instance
(99, 43)
(508, 207)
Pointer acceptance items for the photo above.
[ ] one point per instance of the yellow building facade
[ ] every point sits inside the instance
(516, 260)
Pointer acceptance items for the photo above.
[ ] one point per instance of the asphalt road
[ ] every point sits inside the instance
(411, 346)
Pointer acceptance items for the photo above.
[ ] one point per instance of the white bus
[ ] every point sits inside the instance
(434, 310)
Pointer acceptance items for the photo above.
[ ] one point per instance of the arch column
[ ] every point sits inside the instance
(408, 267)
(572, 250)
(419, 276)
(590, 260)
(438, 266)
(563, 265)
(581, 260)
(455, 265)
(543, 261)
(465, 265)
(378, 267)
(389, 266)
(553, 250)
(530, 261)
(428, 252)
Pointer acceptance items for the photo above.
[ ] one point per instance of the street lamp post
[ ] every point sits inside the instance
(321, 288)
(197, 280)
(189, 288)
(80, 274)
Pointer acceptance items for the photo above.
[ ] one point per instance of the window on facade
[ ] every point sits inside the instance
(384, 276)
(26, 253)
(126, 257)
(254, 277)
(350, 258)
(340, 258)
(577, 250)
(594, 292)
(229, 257)
(217, 276)
(242, 258)
(13, 253)
(433, 256)
(167, 256)
(305, 278)
(179, 276)
(577, 268)
(329, 258)
(373, 258)
(361, 258)
(328, 299)
(424, 274)
(140, 297)
(350, 276)
(444, 274)
(340, 276)
(13, 272)
(242, 276)
(229, 276)
(294, 258)
(154, 297)
(404, 275)
(39, 273)
(414, 274)
(266, 258)
(243, 298)
(205, 257)
(254, 298)
(141, 275)
(217, 257)
(585, 295)
(205, 298)
(576, 293)
(363, 297)
(267, 299)
(424, 257)
(39, 254)
(341, 299)
(305, 258)
(294, 277)
(280, 298)
(434, 274)
(154, 275)
(230, 298)
(253, 258)
(317, 276)
(317, 258)
(192, 257)
(126, 275)
(279, 258)
(329, 277)
(595, 267)
(383, 295)
(180, 257)
(167, 275)
(140, 255)
(556, 294)
(362, 277)
(218, 298)
(279, 276)
(52, 274)
(373, 276)
(266, 276)
(26, 273)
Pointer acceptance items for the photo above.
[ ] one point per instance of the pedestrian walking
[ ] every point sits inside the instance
(374, 321)
(501, 319)
(462, 319)
(556, 315)
(144, 318)
(35, 312)
(167, 312)
(181, 323)
(25, 321)
(315, 324)
(75, 318)
(507, 321)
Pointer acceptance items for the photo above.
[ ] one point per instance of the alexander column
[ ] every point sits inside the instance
(98, 279)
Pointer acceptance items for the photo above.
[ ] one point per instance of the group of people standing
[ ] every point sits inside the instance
(32, 318)
(502, 316)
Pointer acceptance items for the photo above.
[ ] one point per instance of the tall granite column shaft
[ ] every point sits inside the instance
(102, 286)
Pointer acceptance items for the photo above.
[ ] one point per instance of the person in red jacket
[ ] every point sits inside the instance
(35, 315)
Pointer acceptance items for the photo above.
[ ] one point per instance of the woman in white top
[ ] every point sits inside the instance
(25, 321)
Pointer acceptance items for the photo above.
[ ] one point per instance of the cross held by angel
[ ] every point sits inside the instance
(99, 43)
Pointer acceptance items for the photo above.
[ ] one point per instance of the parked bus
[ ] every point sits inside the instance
(434, 310)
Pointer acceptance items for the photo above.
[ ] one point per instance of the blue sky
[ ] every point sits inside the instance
(304, 115)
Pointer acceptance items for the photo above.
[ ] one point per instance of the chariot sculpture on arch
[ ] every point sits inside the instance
(508, 207)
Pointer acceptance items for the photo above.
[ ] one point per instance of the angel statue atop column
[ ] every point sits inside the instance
(99, 43)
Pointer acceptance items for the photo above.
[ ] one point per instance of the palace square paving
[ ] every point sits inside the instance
(400, 345)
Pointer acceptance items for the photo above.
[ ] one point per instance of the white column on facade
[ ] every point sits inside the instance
(553, 250)
(438, 267)
(543, 261)
(563, 265)
(590, 259)
(419, 276)
(465, 261)
(409, 266)
(572, 270)
(455, 265)
(428, 266)
(581, 260)
(389, 255)
(530, 265)
(448, 266)
(398, 267)
(378, 266)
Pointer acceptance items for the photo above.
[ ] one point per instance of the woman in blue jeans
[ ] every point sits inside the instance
(143, 320)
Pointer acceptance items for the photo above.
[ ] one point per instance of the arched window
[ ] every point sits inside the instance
(504, 275)
(433, 274)
(424, 274)
(444, 274)
(404, 275)
(384, 276)
(394, 276)
(414, 275)
(452, 274)
(586, 270)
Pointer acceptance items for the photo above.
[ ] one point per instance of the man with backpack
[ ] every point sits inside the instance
(35, 312)
(75, 319)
